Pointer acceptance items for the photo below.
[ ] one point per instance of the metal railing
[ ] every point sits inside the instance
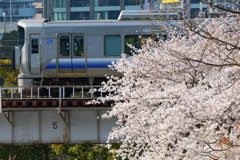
(50, 92)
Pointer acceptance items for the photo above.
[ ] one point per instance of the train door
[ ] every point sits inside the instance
(71, 56)
(78, 56)
(34, 51)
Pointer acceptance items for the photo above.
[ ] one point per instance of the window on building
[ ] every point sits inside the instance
(16, 12)
(194, 12)
(107, 3)
(17, 6)
(79, 3)
(79, 15)
(59, 3)
(58, 16)
(28, 5)
(112, 45)
(6, 12)
(133, 2)
(100, 15)
(64, 46)
(107, 15)
(113, 14)
(113, 3)
(195, 1)
(100, 2)
(39, 11)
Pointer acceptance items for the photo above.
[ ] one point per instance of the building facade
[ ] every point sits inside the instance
(16, 10)
(88, 9)
(11, 11)
(99, 9)
(109, 9)
(38, 5)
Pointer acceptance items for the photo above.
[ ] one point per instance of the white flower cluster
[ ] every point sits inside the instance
(179, 98)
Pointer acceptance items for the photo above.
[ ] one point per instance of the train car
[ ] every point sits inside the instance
(75, 52)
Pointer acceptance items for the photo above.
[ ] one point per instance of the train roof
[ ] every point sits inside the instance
(31, 22)
(127, 15)
(40, 22)
(125, 18)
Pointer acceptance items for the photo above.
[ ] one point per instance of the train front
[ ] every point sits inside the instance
(27, 57)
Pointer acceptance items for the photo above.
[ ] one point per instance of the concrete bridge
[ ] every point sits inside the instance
(27, 117)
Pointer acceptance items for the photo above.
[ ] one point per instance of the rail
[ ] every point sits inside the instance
(49, 92)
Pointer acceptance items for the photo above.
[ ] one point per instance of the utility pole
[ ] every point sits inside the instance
(4, 21)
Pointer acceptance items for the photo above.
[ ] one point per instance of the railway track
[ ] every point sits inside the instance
(50, 96)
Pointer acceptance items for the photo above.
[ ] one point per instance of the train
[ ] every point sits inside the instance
(76, 52)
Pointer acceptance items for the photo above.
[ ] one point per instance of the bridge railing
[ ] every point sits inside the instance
(50, 92)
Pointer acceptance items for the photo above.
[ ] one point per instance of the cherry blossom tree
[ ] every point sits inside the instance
(179, 98)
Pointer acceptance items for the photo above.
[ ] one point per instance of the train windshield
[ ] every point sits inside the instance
(21, 36)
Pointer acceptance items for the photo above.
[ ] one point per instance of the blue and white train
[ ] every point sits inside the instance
(75, 52)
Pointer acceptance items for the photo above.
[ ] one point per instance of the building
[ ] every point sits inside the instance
(88, 9)
(110, 9)
(101, 9)
(38, 5)
(16, 10)
(11, 11)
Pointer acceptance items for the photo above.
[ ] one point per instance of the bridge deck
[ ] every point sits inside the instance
(50, 96)
(51, 103)
(60, 115)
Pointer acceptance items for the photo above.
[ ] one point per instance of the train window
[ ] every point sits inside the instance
(133, 40)
(78, 46)
(34, 45)
(112, 45)
(138, 40)
(20, 36)
(64, 46)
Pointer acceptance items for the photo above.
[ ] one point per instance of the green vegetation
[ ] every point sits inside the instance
(8, 74)
(24, 152)
(56, 151)
(9, 40)
(84, 151)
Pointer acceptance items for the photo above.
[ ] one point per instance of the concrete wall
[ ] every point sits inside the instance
(48, 126)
